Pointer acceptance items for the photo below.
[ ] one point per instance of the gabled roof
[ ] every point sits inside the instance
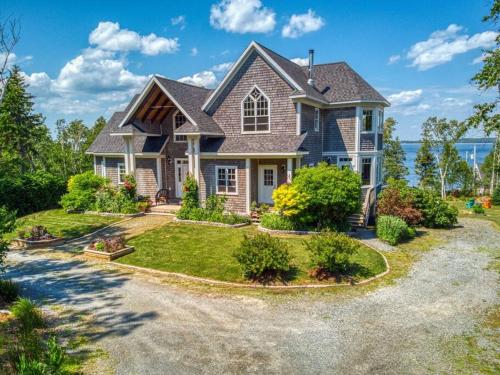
(187, 98)
(106, 143)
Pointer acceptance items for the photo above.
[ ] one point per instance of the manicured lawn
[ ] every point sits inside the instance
(62, 224)
(208, 252)
(491, 214)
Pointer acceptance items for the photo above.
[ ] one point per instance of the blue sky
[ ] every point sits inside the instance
(87, 58)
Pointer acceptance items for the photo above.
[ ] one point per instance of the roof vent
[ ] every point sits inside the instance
(310, 81)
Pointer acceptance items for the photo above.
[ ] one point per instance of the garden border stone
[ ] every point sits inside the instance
(27, 244)
(281, 231)
(210, 223)
(113, 214)
(108, 256)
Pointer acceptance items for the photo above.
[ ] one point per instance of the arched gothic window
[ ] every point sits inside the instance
(255, 112)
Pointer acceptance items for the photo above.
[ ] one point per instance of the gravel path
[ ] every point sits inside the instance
(151, 328)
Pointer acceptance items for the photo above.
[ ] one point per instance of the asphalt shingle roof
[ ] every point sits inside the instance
(250, 143)
(107, 143)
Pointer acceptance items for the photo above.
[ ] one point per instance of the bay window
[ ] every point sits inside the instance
(367, 120)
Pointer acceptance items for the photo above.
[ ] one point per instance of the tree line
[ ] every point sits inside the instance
(34, 164)
(438, 164)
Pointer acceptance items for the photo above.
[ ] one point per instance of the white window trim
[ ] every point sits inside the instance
(318, 123)
(268, 108)
(118, 165)
(371, 169)
(217, 167)
(363, 121)
(173, 126)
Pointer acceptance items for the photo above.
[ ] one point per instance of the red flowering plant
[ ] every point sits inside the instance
(129, 186)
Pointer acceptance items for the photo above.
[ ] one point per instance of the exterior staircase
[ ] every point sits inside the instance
(360, 220)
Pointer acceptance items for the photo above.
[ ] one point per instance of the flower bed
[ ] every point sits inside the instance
(109, 248)
(35, 238)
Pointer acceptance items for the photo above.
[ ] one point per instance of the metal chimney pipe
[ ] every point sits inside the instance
(310, 81)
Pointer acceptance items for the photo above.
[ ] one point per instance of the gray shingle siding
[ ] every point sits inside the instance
(367, 142)
(339, 134)
(227, 109)
(112, 169)
(313, 140)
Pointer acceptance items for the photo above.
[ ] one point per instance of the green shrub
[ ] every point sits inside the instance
(7, 224)
(109, 199)
(333, 194)
(272, 220)
(28, 314)
(478, 209)
(398, 199)
(289, 201)
(263, 257)
(435, 211)
(28, 366)
(9, 291)
(496, 196)
(215, 203)
(48, 363)
(330, 252)
(190, 198)
(82, 189)
(392, 229)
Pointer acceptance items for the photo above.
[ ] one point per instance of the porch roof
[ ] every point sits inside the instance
(106, 143)
(261, 143)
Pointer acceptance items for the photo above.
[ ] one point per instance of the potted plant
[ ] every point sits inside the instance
(36, 237)
(108, 248)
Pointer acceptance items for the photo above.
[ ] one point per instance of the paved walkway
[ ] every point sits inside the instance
(129, 228)
(152, 328)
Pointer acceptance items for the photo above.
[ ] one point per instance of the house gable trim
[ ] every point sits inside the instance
(235, 68)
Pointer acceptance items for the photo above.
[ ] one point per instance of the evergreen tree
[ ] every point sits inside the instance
(394, 155)
(99, 124)
(425, 166)
(20, 128)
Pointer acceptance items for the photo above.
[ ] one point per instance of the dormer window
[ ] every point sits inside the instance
(255, 112)
(179, 120)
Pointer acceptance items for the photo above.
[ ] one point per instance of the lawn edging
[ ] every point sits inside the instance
(205, 280)
(113, 214)
(210, 223)
(108, 256)
(282, 231)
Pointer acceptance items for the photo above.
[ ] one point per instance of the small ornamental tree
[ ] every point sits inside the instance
(289, 201)
(333, 194)
(129, 186)
(398, 199)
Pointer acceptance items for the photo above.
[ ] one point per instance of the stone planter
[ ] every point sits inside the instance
(27, 244)
(108, 256)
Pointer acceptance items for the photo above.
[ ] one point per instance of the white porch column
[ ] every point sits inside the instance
(159, 178)
(196, 173)
(103, 166)
(298, 163)
(127, 156)
(359, 120)
(247, 185)
(190, 155)
(289, 170)
(95, 165)
(132, 156)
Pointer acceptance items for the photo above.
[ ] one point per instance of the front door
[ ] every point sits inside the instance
(181, 172)
(268, 176)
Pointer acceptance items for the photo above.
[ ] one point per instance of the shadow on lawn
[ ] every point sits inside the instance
(87, 290)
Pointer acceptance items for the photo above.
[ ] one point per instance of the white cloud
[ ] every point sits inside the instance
(222, 68)
(109, 36)
(206, 78)
(242, 16)
(404, 98)
(300, 24)
(394, 59)
(179, 21)
(479, 59)
(302, 61)
(443, 45)
(194, 51)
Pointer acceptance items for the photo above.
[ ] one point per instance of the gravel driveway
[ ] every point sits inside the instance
(151, 328)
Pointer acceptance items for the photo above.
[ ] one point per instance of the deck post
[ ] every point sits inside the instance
(247, 185)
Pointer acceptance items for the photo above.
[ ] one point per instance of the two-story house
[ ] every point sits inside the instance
(268, 117)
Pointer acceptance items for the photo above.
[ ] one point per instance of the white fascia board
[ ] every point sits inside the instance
(132, 110)
(244, 155)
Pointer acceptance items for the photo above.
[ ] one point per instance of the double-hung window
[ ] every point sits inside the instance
(380, 121)
(179, 120)
(122, 172)
(366, 171)
(316, 119)
(227, 180)
(367, 120)
(255, 112)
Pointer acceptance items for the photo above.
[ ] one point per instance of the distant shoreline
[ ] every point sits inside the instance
(471, 141)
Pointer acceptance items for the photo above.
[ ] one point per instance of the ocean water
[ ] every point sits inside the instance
(464, 149)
